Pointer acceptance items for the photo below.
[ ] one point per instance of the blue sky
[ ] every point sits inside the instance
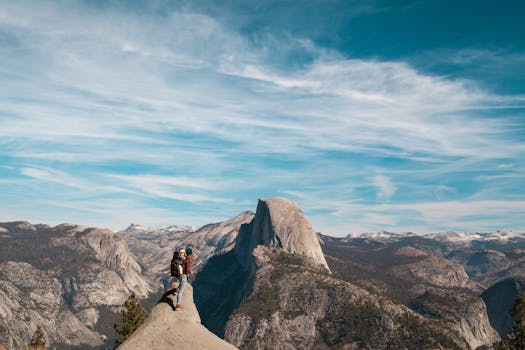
(372, 115)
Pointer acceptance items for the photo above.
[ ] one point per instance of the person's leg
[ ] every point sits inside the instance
(181, 289)
(172, 285)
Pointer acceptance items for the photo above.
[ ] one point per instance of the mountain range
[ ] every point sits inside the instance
(265, 280)
(67, 279)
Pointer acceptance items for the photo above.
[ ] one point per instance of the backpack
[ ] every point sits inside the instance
(177, 265)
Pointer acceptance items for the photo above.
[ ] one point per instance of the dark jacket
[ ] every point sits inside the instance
(178, 263)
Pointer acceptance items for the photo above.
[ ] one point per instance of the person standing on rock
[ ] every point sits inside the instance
(180, 269)
(190, 256)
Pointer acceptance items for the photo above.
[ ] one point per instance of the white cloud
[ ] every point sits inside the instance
(385, 107)
(183, 94)
(53, 176)
(380, 220)
(385, 187)
(455, 211)
(441, 191)
(146, 179)
(178, 188)
(471, 216)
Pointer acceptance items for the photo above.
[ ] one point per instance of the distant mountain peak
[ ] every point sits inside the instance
(18, 226)
(280, 222)
(136, 227)
(502, 235)
(506, 232)
(69, 227)
(381, 235)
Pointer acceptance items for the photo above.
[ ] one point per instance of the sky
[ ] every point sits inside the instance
(371, 115)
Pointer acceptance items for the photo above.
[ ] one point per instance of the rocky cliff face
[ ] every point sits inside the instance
(114, 253)
(293, 306)
(281, 223)
(29, 298)
(489, 266)
(465, 313)
(499, 299)
(91, 272)
(165, 329)
(278, 223)
(274, 289)
(220, 287)
(291, 301)
(433, 286)
(65, 279)
(422, 267)
(154, 247)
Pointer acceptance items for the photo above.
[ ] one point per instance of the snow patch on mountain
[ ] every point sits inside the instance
(503, 236)
(381, 235)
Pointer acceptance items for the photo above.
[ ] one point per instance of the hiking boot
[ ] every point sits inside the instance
(179, 308)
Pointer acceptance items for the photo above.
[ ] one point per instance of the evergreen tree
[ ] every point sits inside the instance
(38, 340)
(129, 319)
(516, 339)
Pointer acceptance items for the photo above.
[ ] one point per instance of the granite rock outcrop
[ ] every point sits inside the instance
(281, 223)
(166, 329)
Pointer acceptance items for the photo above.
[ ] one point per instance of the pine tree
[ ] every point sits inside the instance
(38, 340)
(129, 319)
(516, 339)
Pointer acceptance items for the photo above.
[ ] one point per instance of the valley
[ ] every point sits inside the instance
(265, 279)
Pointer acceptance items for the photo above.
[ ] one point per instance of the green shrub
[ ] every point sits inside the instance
(129, 319)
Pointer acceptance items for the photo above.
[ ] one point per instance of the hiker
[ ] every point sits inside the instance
(180, 269)
(190, 255)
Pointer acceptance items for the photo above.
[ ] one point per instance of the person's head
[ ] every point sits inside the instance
(182, 252)
(189, 253)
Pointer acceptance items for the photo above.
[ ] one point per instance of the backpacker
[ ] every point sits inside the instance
(177, 265)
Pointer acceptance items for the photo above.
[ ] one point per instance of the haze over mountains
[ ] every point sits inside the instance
(265, 280)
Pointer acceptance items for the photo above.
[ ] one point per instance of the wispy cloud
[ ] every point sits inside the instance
(53, 176)
(178, 188)
(180, 107)
(379, 103)
(385, 187)
(423, 217)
